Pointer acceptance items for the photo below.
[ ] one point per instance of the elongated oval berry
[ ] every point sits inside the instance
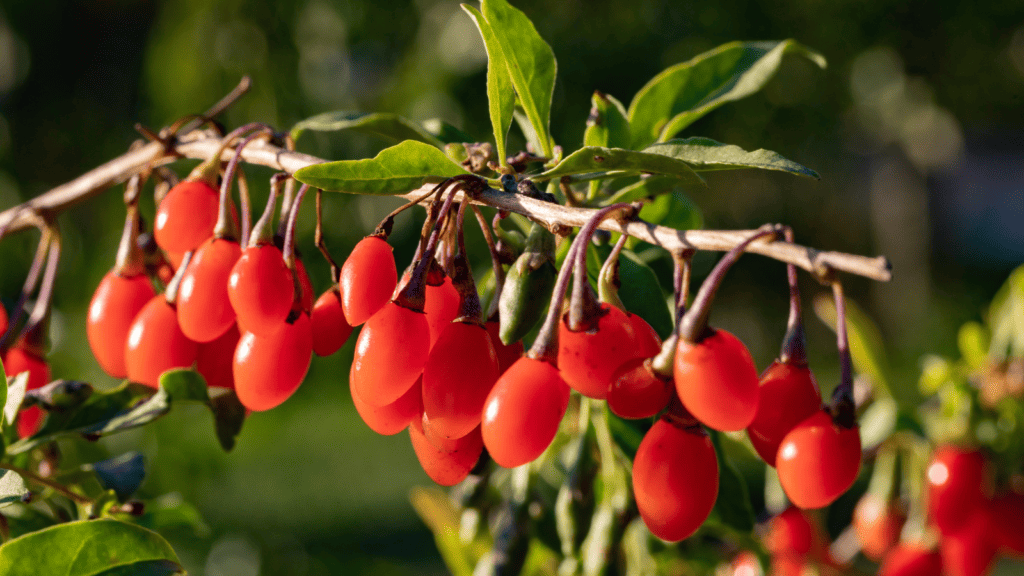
(268, 369)
(675, 479)
(788, 396)
(368, 278)
(970, 550)
(507, 353)
(458, 376)
(589, 359)
(791, 532)
(446, 467)
(877, 524)
(958, 484)
(716, 381)
(261, 289)
(818, 461)
(637, 392)
(648, 343)
(186, 216)
(18, 360)
(116, 302)
(204, 309)
(215, 360)
(3, 320)
(522, 412)
(392, 418)
(441, 307)
(390, 353)
(911, 559)
(1008, 521)
(156, 343)
(330, 328)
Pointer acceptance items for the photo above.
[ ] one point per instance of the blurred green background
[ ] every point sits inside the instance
(916, 127)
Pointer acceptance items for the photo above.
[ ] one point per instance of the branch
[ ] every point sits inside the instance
(202, 145)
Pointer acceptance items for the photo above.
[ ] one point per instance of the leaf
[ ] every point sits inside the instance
(643, 294)
(445, 132)
(12, 488)
(973, 341)
(501, 97)
(1006, 318)
(384, 124)
(85, 548)
(396, 170)
(184, 384)
(644, 188)
(705, 154)
(674, 210)
(681, 94)
(442, 518)
(123, 474)
(733, 502)
(596, 158)
(14, 394)
(145, 568)
(530, 62)
(866, 347)
(878, 422)
(170, 511)
(228, 417)
(607, 126)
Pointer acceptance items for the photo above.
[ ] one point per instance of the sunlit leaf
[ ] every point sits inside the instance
(594, 159)
(391, 126)
(442, 518)
(12, 488)
(607, 126)
(501, 96)
(866, 346)
(1006, 318)
(705, 154)
(878, 422)
(14, 393)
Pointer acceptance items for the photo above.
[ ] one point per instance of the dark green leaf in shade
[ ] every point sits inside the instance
(643, 294)
(596, 159)
(123, 474)
(445, 132)
(705, 154)
(391, 126)
(530, 62)
(396, 170)
(172, 512)
(61, 395)
(733, 503)
(84, 548)
(649, 187)
(501, 97)
(674, 210)
(228, 417)
(145, 568)
(12, 488)
(681, 94)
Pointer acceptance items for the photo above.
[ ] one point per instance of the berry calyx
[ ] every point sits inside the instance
(269, 368)
(818, 461)
(788, 396)
(156, 343)
(368, 279)
(114, 305)
(330, 327)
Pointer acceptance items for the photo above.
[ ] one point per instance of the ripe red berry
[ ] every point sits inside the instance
(446, 467)
(3, 320)
(716, 381)
(306, 294)
(269, 368)
(17, 360)
(507, 353)
(368, 279)
(791, 532)
(390, 353)
(637, 392)
(441, 307)
(818, 461)
(215, 360)
(1008, 521)
(391, 418)
(186, 216)
(971, 549)
(911, 559)
(788, 396)
(522, 412)
(675, 479)
(204, 310)
(648, 343)
(156, 344)
(330, 328)
(261, 289)
(588, 359)
(459, 374)
(116, 302)
(877, 524)
(958, 484)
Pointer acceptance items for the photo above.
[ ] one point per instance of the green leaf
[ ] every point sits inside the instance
(85, 548)
(878, 422)
(674, 210)
(145, 568)
(501, 97)
(607, 126)
(391, 126)
(705, 154)
(733, 502)
(530, 62)
(396, 170)
(12, 488)
(442, 518)
(595, 158)
(866, 346)
(123, 474)
(681, 94)
(445, 132)
(643, 294)
(170, 511)
(973, 340)
(228, 417)
(14, 394)
(184, 384)
(1006, 318)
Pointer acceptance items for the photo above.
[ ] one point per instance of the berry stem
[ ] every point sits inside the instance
(585, 308)
(130, 259)
(261, 232)
(794, 343)
(462, 276)
(843, 408)
(41, 310)
(608, 282)
(31, 280)
(171, 291)
(682, 270)
(289, 234)
(318, 239)
(496, 267)
(225, 224)
(383, 229)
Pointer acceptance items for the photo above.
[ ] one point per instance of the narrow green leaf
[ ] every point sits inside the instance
(607, 125)
(878, 422)
(733, 502)
(12, 488)
(643, 294)
(501, 97)
(442, 518)
(391, 126)
(705, 154)
(674, 210)
(185, 384)
(683, 93)
(395, 170)
(123, 474)
(14, 393)
(596, 158)
(445, 132)
(228, 417)
(644, 188)
(866, 346)
(84, 548)
(530, 61)
(1006, 318)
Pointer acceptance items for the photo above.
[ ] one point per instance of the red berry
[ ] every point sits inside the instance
(589, 359)
(269, 368)
(116, 302)
(522, 412)
(1008, 521)
(911, 559)
(972, 548)
(791, 533)
(261, 288)
(156, 344)
(29, 421)
(368, 278)
(818, 461)
(788, 396)
(648, 343)
(446, 467)
(3, 320)
(675, 479)
(204, 310)
(459, 374)
(716, 381)
(186, 216)
(637, 392)
(958, 484)
(392, 418)
(215, 360)
(330, 328)
(507, 354)
(306, 294)
(390, 353)
(878, 525)
(18, 360)
(441, 307)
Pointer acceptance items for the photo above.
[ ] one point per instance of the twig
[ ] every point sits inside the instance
(32, 476)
